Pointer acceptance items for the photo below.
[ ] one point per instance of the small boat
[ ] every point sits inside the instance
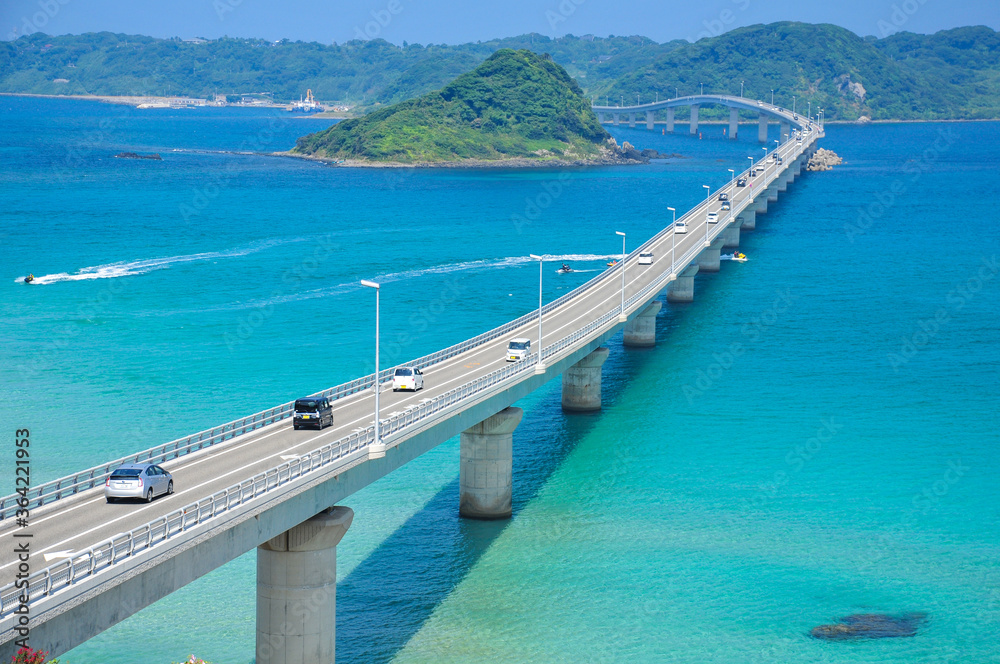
(28, 279)
(612, 263)
(565, 269)
(737, 256)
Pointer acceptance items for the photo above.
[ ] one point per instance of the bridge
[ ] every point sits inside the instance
(765, 113)
(258, 483)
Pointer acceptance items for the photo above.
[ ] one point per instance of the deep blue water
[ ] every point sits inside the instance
(814, 436)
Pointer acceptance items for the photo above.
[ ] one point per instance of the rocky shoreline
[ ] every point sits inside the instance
(611, 154)
(823, 160)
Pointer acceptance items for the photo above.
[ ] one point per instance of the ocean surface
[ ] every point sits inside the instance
(814, 437)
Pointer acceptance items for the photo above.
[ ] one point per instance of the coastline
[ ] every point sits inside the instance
(517, 162)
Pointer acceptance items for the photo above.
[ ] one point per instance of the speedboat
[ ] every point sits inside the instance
(736, 256)
(564, 269)
(28, 279)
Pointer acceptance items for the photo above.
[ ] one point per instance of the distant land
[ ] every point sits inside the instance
(517, 106)
(952, 74)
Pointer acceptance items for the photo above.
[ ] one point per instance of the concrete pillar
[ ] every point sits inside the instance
(781, 182)
(485, 466)
(761, 202)
(631, 120)
(708, 259)
(772, 193)
(670, 120)
(297, 591)
(650, 116)
(762, 128)
(640, 332)
(731, 236)
(681, 289)
(618, 119)
(786, 130)
(749, 218)
(581, 383)
(734, 122)
(694, 118)
(600, 117)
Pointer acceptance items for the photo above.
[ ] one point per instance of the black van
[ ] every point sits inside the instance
(312, 411)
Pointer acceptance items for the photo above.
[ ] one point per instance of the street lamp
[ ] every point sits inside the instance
(622, 317)
(765, 164)
(772, 96)
(708, 201)
(677, 93)
(540, 367)
(623, 100)
(793, 104)
(732, 190)
(810, 113)
(741, 89)
(637, 99)
(376, 450)
(702, 88)
(673, 240)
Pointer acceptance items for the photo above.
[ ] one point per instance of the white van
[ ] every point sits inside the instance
(407, 378)
(646, 258)
(713, 217)
(680, 227)
(518, 349)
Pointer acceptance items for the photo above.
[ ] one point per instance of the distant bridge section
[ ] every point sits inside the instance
(765, 113)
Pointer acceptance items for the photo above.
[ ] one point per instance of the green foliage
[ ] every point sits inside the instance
(952, 74)
(516, 104)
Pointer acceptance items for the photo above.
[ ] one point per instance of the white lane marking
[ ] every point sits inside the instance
(58, 555)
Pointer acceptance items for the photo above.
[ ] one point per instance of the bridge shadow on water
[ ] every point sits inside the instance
(389, 596)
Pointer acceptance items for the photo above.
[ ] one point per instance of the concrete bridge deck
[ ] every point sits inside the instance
(248, 491)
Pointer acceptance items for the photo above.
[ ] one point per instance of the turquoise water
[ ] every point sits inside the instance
(815, 436)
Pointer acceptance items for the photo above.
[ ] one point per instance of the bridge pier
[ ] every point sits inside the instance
(708, 259)
(781, 182)
(581, 383)
(640, 332)
(762, 128)
(731, 235)
(297, 591)
(600, 117)
(670, 120)
(694, 118)
(681, 289)
(749, 219)
(772, 193)
(631, 120)
(618, 119)
(761, 202)
(650, 117)
(734, 123)
(484, 476)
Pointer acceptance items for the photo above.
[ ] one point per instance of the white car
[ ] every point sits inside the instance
(407, 378)
(646, 258)
(713, 217)
(518, 349)
(680, 227)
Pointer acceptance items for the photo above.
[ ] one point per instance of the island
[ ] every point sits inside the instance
(518, 108)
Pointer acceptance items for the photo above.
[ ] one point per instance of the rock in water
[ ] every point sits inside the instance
(823, 160)
(870, 626)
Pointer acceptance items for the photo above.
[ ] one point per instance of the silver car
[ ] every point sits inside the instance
(138, 480)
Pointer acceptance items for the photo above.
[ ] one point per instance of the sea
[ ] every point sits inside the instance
(814, 437)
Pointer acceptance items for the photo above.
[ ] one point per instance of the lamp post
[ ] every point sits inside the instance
(793, 104)
(708, 201)
(637, 99)
(540, 367)
(772, 96)
(765, 164)
(677, 93)
(673, 241)
(376, 450)
(741, 89)
(623, 100)
(732, 190)
(810, 110)
(622, 317)
(703, 88)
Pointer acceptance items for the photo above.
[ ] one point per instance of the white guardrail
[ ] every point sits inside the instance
(86, 564)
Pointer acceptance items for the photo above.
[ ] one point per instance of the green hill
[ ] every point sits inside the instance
(952, 74)
(517, 104)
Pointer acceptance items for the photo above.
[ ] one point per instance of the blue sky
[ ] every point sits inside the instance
(454, 21)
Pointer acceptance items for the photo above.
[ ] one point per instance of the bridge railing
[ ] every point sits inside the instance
(86, 564)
